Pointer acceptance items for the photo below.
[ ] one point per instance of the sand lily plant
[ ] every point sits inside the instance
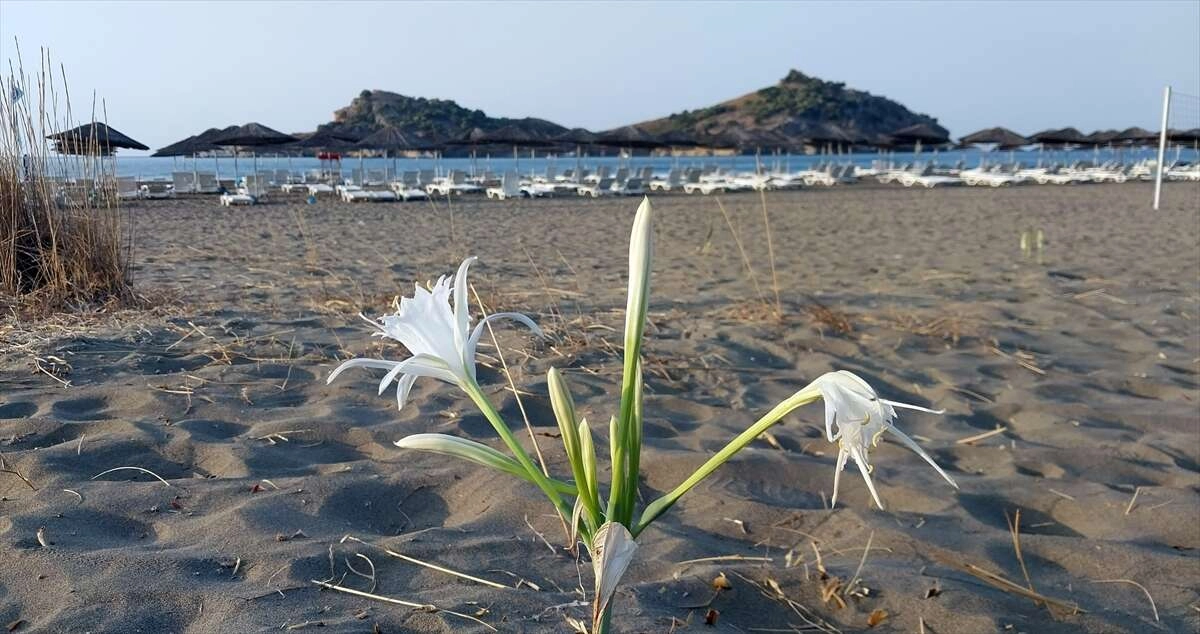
(603, 515)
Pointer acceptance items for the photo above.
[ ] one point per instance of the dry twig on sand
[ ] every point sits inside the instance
(428, 607)
(771, 589)
(413, 560)
(978, 437)
(160, 478)
(1000, 583)
(4, 468)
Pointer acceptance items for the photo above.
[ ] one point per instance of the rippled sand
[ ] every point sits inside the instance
(1085, 355)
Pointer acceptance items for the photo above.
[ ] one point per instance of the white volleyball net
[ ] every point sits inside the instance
(1179, 140)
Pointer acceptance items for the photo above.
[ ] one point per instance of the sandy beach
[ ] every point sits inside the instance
(1070, 379)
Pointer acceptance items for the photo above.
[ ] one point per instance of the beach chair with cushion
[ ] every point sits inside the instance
(127, 188)
(408, 187)
(158, 190)
(600, 174)
(455, 183)
(673, 180)
(601, 188)
(631, 187)
(621, 176)
(356, 194)
(206, 183)
(256, 185)
(73, 195)
(183, 182)
(510, 187)
(925, 177)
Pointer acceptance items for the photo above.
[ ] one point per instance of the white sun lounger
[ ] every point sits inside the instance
(407, 189)
(455, 183)
(157, 190)
(601, 188)
(910, 179)
(631, 187)
(206, 183)
(356, 194)
(673, 180)
(127, 188)
(983, 178)
(510, 187)
(183, 182)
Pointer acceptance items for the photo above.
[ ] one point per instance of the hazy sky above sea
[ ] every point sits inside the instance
(169, 70)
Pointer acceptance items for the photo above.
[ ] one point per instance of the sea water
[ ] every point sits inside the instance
(145, 167)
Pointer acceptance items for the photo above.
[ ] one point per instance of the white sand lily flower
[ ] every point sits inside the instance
(436, 333)
(860, 417)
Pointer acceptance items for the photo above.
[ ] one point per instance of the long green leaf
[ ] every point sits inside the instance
(660, 506)
(616, 463)
(564, 412)
(641, 256)
(587, 451)
(474, 452)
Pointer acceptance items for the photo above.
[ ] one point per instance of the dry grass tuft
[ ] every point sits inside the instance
(65, 242)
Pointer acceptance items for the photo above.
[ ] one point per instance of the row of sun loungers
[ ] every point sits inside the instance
(1003, 176)
(379, 186)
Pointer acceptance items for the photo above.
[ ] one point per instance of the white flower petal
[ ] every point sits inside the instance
(864, 467)
(916, 407)
(403, 388)
(912, 444)
(479, 328)
(830, 417)
(462, 316)
(837, 475)
(378, 364)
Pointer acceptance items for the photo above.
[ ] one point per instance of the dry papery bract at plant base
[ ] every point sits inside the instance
(435, 326)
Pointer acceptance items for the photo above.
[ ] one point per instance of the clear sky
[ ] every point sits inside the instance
(170, 69)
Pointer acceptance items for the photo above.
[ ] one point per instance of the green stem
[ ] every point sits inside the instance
(604, 624)
(616, 463)
(660, 506)
(535, 474)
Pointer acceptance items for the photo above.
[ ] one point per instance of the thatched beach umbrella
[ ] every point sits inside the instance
(631, 137)
(93, 138)
(1136, 136)
(1002, 138)
(919, 134)
(252, 135)
(1101, 137)
(322, 141)
(392, 139)
(1184, 136)
(515, 135)
(1058, 136)
(191, 146)
(579, 137)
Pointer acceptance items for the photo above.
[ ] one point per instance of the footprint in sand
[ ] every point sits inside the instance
(87, 408)
(18, 409)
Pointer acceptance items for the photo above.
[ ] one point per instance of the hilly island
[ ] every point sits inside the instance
(798, 110)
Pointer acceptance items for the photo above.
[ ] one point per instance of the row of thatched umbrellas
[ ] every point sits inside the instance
(100, 138)
(1006, 139)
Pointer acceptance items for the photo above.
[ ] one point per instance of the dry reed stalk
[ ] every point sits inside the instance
(771, 254)
(737, 239)
(65, 245)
